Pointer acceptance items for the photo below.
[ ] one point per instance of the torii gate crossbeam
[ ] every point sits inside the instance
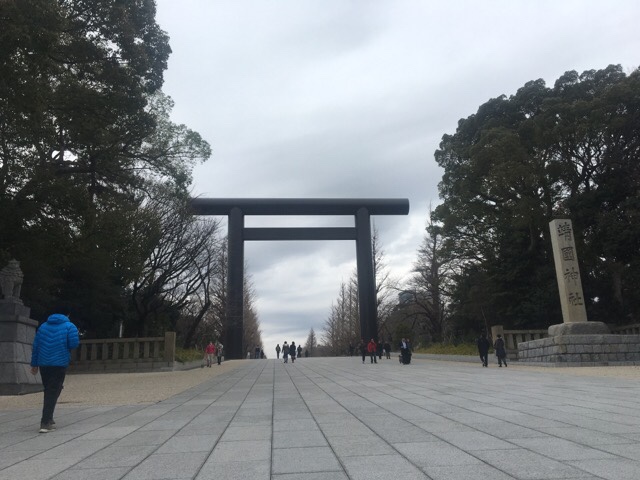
(236, 209)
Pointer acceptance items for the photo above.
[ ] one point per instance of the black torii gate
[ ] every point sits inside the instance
(237, 208)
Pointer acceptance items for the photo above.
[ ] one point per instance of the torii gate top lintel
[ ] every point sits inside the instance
(300, 206)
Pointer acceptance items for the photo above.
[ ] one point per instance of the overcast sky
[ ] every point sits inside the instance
(349, 99)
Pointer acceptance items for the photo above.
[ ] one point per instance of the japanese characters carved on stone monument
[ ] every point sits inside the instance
(567, 271)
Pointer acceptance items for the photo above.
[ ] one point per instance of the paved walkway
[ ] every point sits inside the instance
(335, 419)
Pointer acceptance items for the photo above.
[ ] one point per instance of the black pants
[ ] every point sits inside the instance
(52, 381)
(484, 357)
(406, 356)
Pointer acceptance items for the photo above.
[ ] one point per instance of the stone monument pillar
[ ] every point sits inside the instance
(574, 314)
(567, 271)
(17, 331)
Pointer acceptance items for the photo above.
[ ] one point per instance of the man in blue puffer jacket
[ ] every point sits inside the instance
(54, 340)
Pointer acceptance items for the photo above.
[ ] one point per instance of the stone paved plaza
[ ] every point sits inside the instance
(335, 418)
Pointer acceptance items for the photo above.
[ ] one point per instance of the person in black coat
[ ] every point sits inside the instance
(363, 349)
(405, 351)
(292, 351)
(483, 349)
(501, 351)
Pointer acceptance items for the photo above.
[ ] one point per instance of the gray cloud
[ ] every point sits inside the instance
(303, 98)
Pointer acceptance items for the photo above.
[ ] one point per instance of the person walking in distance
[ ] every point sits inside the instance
(371, 348)
(209, 353)
(405, 351)
(292, 352)
(219, 352)
(501, 352)
(285, 352)
(51, 353)
(278, 351)
(299, 351)
(483, 349)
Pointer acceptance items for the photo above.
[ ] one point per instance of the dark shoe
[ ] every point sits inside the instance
(46, 428)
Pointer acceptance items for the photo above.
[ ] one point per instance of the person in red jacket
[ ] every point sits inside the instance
(210, 351)
(371, 348)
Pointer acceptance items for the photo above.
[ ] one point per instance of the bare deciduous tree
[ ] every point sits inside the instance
(342, 327)
(251, 324)
(386, 286)
(177, 274)
(428, 286)
(311, 344)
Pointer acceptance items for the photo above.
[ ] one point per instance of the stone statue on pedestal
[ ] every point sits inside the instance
(11, 281)
(17, 331)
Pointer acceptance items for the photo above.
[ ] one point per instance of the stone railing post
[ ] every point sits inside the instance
(169, 347)
(495, 331)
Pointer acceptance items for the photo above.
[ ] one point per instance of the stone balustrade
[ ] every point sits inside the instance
(513, 337)
(626, 329)
(582, 350)
(124, 354)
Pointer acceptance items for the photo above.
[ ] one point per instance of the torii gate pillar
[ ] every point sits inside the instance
(233, 329)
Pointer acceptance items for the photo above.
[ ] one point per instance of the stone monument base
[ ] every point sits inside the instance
(572, 350)
(18, 388)
(579, 328)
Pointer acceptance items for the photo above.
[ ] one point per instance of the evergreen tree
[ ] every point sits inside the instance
(84, 135)
(519, 162)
